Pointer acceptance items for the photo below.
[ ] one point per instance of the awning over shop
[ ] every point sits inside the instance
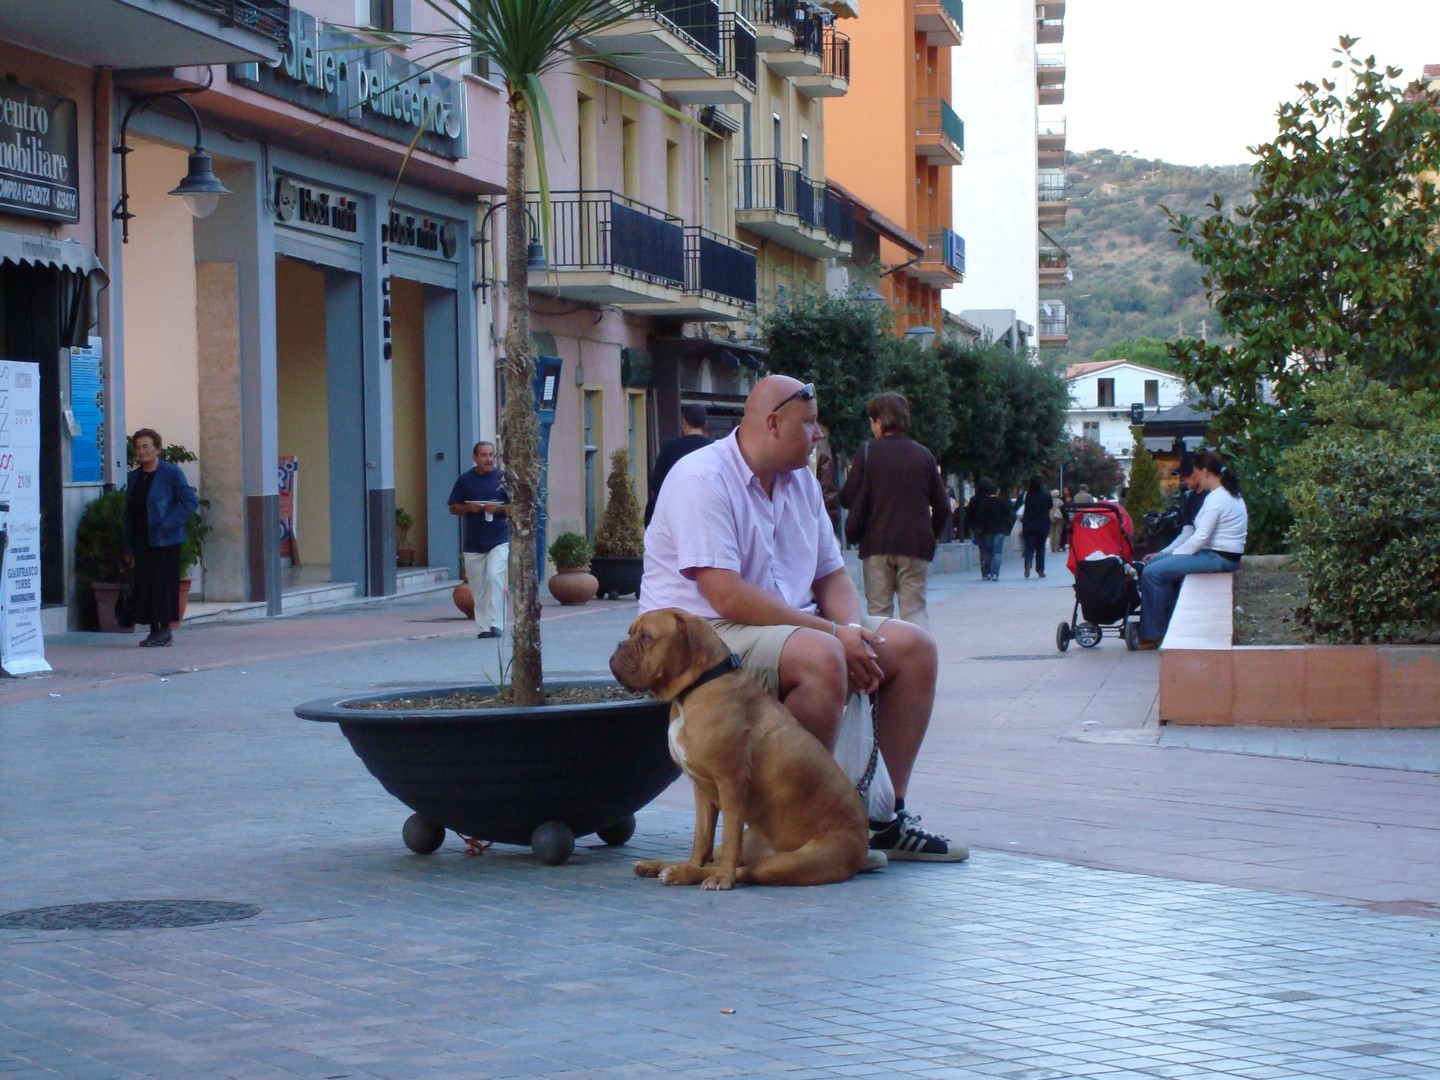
(83, 278)
(42, 251)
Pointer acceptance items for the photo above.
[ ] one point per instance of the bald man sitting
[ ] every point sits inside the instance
(740, 536)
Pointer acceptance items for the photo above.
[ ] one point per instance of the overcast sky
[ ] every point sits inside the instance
(1196, 84)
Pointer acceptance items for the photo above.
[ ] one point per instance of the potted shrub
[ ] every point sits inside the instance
(100, 556)
(620, 538)
(192, 551)
(572, 582)
(404, 553)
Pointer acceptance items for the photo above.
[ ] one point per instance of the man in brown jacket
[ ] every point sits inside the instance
(894, 485)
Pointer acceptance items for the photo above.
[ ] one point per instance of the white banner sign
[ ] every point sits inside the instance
(22, 643)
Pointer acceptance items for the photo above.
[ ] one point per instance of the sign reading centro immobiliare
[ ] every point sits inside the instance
(39, 168)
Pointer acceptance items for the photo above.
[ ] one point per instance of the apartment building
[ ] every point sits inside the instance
(327, 339)
(665, 237)
(897, 141)
(310, 332)
(1010, 199)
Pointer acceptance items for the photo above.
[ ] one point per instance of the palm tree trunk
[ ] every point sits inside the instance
(520, 423)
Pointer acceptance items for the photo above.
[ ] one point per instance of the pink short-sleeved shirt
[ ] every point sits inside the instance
(713, 512)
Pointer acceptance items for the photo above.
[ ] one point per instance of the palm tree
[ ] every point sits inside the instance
(523, 40)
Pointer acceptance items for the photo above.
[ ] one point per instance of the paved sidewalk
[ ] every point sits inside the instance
(1134, 907)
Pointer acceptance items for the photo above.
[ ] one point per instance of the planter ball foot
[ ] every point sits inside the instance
(552, 842)
(617, 834)
(421, 835)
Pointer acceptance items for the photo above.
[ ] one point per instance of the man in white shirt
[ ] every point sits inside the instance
(740, 536)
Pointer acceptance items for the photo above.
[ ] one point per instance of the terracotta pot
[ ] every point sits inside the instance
(571, 586)
(185, 584)
(464, 599)
(105, 596)
(404, 556)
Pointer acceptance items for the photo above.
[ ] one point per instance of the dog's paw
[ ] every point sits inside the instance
(720, 881)
(649, 868)
(683, 873)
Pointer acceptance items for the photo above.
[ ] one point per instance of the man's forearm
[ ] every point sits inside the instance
(837, 599)
(735, 599)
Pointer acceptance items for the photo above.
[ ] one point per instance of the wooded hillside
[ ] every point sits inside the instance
(1130, 279)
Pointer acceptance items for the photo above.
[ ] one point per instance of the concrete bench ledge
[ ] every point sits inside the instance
(1204, 679)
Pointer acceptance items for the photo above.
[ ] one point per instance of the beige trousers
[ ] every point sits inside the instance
(486, 573)
(892, 577)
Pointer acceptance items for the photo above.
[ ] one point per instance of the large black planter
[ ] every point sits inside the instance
(538, 776)
(619, 575)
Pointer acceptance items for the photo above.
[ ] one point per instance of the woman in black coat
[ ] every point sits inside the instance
(1035, 525)
(158, 503)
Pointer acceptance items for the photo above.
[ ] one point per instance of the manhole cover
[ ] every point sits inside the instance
(1036, 656)
(128, 915)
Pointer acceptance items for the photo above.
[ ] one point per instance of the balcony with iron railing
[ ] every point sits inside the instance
(606, 248)
(1053, 194)
(778, 201)
(268, 17)
(1054, 266)
(719, 266)
(732, 82)
(1050, 142)
(664, 39)
(1050, 77)
(943, 261)
(807, 55)
(833, 79)
(1049, 23)
(939, 132)
(1054, 324)
(775, 22)
(941, 21)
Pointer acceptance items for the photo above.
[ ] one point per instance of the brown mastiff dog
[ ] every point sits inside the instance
(749, 760)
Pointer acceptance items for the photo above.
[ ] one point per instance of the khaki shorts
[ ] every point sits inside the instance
(759, 647)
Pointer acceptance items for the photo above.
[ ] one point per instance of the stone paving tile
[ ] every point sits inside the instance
(1005, 967)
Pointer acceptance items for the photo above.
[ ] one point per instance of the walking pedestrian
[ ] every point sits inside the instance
(692, 437)
(1035, 525)
(480, 498)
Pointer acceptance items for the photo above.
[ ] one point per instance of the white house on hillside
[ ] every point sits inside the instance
(1103, 395)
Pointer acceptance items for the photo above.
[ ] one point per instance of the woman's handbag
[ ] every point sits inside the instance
(124, 614)
(859, 509)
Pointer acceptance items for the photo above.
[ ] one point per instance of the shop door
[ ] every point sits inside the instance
(30, 331)
(321, 418)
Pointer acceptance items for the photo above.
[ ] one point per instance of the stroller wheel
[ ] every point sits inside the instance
(1132, 636)
(1087, 635)
(1062, 636)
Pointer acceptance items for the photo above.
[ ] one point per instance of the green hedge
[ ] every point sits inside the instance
(1364, 488)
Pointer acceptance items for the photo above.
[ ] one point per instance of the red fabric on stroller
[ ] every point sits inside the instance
(1100, 526)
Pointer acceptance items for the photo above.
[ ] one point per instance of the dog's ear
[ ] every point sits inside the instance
(693, 630)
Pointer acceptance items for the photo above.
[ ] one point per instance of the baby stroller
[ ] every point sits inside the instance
(1107, 590)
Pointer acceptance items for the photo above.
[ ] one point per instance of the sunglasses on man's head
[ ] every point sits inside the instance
(805, 393)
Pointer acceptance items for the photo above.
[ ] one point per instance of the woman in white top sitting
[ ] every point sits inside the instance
(1214, 547)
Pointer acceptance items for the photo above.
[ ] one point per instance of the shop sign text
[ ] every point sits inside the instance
(38, 154)
(337, 74)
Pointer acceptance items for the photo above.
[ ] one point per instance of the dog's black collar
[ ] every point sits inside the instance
(729, 664)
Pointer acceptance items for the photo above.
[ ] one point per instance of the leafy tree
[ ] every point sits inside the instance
(1333, 262)
(1143, 488)
(1365, 488)
(1087, 462)
(917, 373)
(1009, 413)
(834, 342)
